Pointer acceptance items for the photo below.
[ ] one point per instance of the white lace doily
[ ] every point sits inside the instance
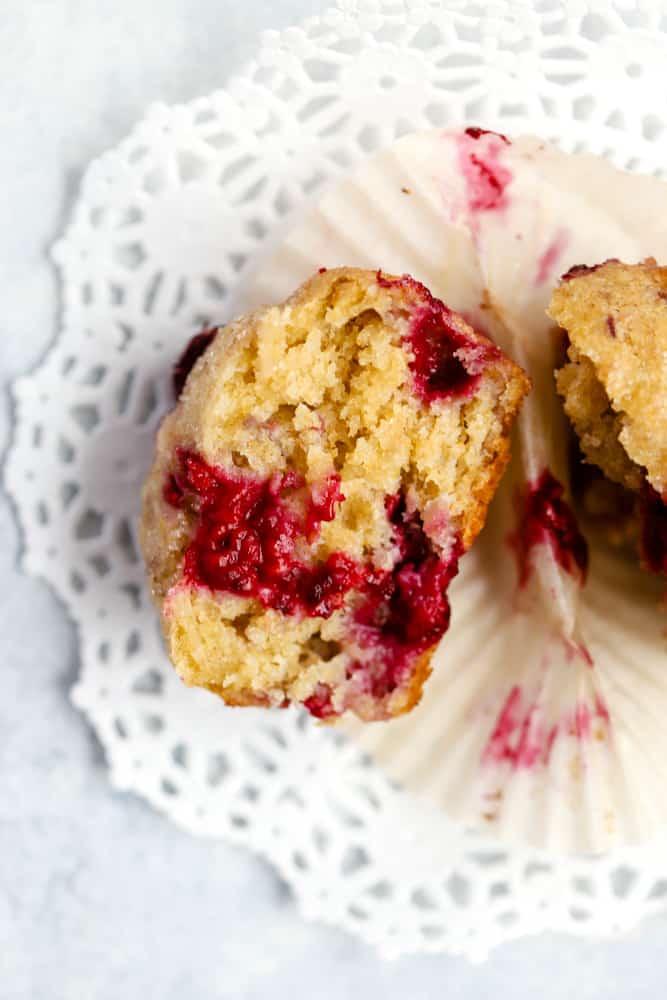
(164, 227)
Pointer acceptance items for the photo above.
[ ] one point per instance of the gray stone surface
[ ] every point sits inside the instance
(100, 897)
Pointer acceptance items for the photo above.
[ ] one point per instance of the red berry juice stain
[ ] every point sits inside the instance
(486, 177)
(519, 736)
(577, 651)
(523, 740)
(476, 133)
(545, 518)
(580, 722)
(547, 261)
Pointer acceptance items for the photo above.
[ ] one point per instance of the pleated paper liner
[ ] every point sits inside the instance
(545, 719)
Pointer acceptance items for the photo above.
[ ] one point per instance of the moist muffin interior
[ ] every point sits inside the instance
(364, 425)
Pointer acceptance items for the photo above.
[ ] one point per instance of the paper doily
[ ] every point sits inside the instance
(164, 227)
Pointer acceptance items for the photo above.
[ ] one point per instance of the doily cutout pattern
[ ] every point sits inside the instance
(165, 227)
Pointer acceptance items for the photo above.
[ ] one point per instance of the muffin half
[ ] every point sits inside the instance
(327, 464)
(614, 385)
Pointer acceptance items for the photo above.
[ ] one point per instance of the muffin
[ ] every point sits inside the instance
(614, 386)
(327, 464)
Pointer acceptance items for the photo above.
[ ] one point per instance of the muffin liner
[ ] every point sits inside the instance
(543, 719)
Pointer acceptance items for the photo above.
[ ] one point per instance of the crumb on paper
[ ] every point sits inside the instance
(576, 768)
(496, 796)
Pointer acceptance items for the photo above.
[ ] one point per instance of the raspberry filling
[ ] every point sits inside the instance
(545, 517)
(322, 505)
(446, 363)
(486, 178)
(196, 346)
(320, 704)
(653, 525)
(246, 544)
(246, 539)
(406, 610)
